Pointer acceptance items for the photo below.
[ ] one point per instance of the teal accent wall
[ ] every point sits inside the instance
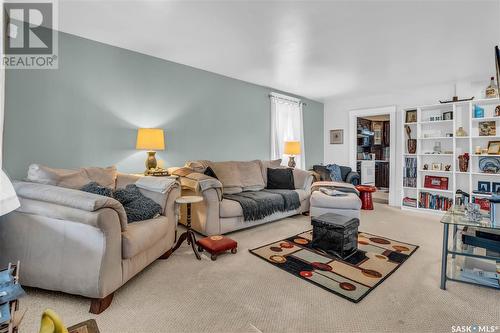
(87, 112)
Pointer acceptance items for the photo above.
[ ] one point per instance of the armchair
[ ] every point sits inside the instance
(80, 243)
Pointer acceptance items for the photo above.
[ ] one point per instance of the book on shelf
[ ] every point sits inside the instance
(410, 202)
(410, 172)
(434, 201)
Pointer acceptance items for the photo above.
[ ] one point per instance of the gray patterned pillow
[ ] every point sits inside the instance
(137, 206)
(95, 188)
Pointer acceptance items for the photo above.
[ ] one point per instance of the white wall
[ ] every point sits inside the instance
(337, 115)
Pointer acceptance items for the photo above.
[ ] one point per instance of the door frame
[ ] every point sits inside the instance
(353, 131)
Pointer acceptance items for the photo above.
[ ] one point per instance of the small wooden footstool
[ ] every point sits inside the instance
(216, 245)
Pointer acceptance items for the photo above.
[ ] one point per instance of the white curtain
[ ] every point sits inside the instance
(286, 125)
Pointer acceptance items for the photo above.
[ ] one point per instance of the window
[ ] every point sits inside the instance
(286, 125)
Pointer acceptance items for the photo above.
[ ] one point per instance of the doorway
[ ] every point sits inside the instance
(372, 133)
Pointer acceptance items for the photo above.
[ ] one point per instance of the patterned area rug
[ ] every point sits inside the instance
(353, 278)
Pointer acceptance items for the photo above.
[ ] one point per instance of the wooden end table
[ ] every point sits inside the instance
(188, 235)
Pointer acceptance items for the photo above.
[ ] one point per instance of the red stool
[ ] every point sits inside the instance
(365, 194)
(216, 245)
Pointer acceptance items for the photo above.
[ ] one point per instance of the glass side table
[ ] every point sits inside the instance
(457, 271)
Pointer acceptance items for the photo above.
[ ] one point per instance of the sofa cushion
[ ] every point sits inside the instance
(74, 179)
(272, 164)
(281, 179)
(228, 173)
(251, 175)
(349, 201)
(140, 236)
(344, 171)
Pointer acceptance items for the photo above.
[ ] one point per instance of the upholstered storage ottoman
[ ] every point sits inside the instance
(335, 234)
(347, 205)
(216, 245)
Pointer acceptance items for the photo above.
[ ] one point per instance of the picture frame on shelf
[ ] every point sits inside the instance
(484, 186)
(336, 136)
(448, 115)
(487, 128)
(436, 167)
(493, 147)
(495, 187)
(411, 116)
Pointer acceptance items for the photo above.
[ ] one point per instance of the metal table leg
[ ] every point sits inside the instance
(444, 256)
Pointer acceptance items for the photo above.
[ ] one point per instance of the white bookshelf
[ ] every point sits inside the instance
(429, 132)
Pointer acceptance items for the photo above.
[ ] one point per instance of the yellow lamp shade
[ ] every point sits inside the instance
(150, 139)
(292, 147)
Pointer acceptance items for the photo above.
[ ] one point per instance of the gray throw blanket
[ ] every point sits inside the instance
(257, 205)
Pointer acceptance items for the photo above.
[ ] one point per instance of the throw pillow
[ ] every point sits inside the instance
(210, 172)
(344, 171)
(137, 206)
(280, 179)
(323, 172)
(95, 188)
(335, 173)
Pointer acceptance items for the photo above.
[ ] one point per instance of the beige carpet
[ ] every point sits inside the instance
(240, 293)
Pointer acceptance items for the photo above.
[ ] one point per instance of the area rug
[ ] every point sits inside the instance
(353, 278)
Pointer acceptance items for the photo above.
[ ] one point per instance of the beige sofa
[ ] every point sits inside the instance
(216, 215)
(80, 243)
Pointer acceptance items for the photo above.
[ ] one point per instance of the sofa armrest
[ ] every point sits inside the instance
(70, 198)
(353, 178)
(64, 248)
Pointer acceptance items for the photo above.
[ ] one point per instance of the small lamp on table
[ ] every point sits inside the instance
(150, 139)
(292, 148)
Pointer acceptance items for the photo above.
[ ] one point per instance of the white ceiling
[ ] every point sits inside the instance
(317, 49)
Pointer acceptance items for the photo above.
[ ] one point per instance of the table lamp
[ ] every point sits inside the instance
(292, 148)
(8, 197)
(150, 139)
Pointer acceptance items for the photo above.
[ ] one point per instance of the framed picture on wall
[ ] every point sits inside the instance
(336, 136)
(411, 116)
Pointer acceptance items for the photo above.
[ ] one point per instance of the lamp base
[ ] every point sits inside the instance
(291, 162)
(151, 161)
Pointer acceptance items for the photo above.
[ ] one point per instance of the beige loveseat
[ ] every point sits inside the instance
(80, 243)
(216, 215)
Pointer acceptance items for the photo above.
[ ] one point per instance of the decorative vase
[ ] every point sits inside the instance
(463, 163)
(412, 146)
(461, 131)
